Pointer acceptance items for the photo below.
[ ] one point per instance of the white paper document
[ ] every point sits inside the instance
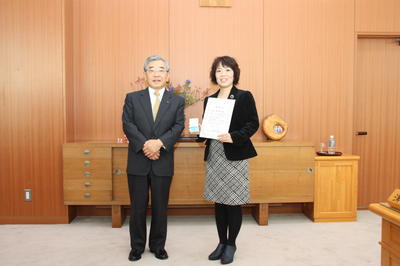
(217, 117)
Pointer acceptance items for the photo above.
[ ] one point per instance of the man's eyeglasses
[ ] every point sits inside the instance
(153, 71)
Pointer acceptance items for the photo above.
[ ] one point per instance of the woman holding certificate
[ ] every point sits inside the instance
(227, 175)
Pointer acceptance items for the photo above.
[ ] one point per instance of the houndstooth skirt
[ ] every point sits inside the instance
(227, 182)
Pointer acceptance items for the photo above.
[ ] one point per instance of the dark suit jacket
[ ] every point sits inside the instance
(243, 125)
(139, 126)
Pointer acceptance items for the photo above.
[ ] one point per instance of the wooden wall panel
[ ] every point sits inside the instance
(67, 65)
(295, 57)
(376, 110)
(111, 41)
(199, 34)
(377, 16)
(69, 101)
(31, 111)
(308, 68)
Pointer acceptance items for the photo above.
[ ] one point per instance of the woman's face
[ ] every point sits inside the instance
(224, 76)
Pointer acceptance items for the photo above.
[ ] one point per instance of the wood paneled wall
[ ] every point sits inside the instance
(377, 16)
(295, 57)
(31, 111)
(69, 92)
(199, 34)
(66, 66)
(308, 68)
(111, 40)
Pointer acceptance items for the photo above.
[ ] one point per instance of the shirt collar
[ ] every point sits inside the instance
(151, 91)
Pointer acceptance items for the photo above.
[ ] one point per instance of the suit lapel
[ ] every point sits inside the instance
(164, 105)
(233, 93)
(146, 104)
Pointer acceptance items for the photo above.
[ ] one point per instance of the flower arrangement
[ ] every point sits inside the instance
(191, 94)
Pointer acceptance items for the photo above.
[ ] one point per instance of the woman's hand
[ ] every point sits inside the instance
(225, 138)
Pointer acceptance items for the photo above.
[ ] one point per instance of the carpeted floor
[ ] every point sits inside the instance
(289, 239)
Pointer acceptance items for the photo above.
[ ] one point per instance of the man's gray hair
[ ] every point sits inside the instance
(155, 58)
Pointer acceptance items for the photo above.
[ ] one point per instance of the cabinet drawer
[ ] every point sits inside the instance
(87, 184)
(78, 173)
(86, 152)
(89, 164)
(82, 195)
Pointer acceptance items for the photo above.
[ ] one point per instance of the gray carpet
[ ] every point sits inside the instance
(289, 239)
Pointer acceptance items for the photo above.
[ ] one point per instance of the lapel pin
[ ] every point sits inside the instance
(231, 96)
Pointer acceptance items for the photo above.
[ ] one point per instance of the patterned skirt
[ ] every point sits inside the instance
(227, 182)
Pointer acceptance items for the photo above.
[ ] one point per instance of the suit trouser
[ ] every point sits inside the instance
(139, 194)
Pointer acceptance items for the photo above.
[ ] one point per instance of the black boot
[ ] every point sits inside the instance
(217, 253)
(227, 256)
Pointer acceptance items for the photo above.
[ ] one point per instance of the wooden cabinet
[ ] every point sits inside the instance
(283, 172)
(87, 174)
(390, 243)
(335, 196)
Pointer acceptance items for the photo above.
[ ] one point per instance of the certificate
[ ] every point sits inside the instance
(217, 117)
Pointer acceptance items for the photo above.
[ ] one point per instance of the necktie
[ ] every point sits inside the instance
(156, 104)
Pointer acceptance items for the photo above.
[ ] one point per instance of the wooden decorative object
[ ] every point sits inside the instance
(274, 127)
(394, 199)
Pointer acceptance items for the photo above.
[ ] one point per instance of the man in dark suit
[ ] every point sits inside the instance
(153, 119)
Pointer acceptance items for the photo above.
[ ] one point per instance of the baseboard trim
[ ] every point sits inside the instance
(34, 220)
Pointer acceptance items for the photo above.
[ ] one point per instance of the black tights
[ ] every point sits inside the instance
(227, 216)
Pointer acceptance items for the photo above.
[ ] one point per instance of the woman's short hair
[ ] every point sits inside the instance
(155, 58)
(225, 61)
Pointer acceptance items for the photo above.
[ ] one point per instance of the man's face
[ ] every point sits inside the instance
(156, 74)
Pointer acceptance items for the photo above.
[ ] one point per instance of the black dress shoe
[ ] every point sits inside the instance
(134, 255)
(160, 254)
(217, 253)
(227, 256)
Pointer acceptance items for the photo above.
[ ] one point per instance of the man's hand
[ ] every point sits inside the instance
(151, 148)
(225, 138)
(154, 156)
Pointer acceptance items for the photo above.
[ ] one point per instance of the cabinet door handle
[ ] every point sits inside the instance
(86, 152)
(88, 184)
(87, 195)
(309, 170)
(86, 163)
(117, 172)
(87, 173)
(361, 133)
